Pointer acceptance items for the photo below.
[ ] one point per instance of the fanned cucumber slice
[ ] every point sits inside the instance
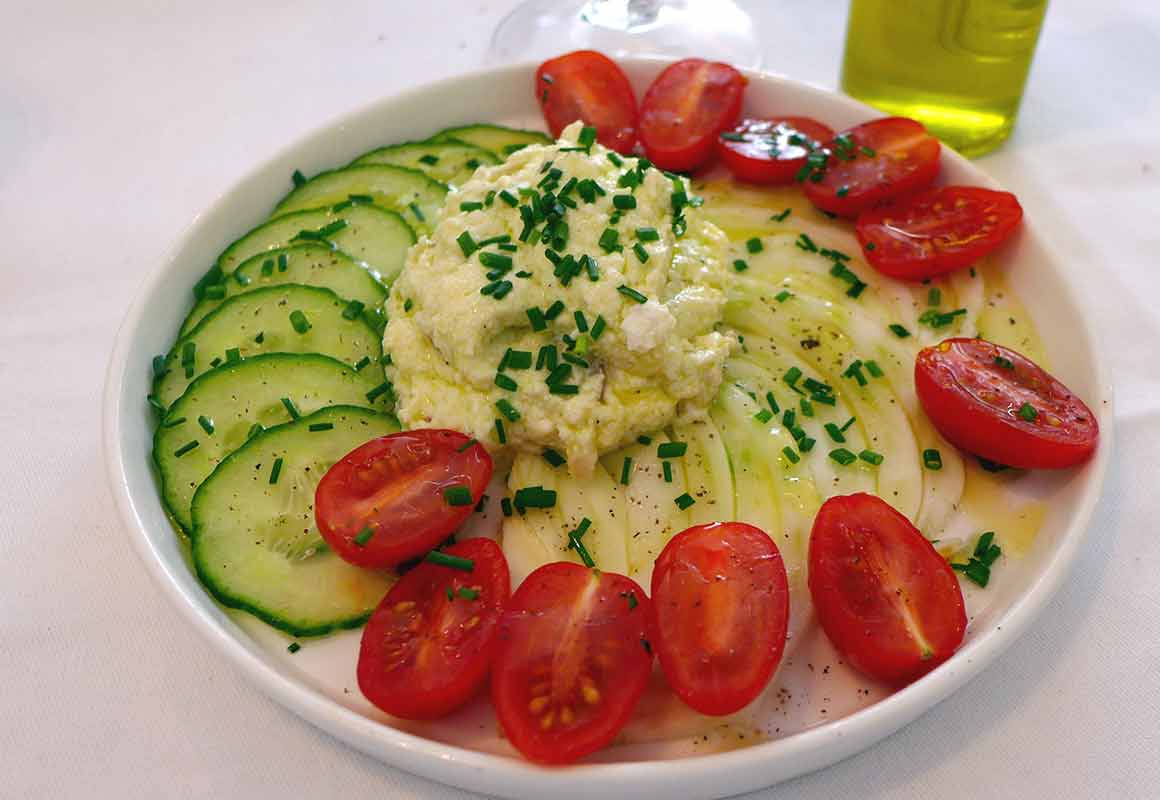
(496, 138)
(221, 409)
(277, 319)
(377, 237)
(310, 265)
(255, 544)
(416, 196)
(449, 161)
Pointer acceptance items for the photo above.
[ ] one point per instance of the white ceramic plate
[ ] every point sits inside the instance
(318, 682)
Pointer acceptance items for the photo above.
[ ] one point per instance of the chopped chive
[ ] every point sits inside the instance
(631, 294)
(1005, 363)
(648, 234)
(290, 408)
(417, 212)
(261, 337)
(466, 244)
(458, 495)
(553, 311)
(615, 159)
(509, 198)
(625, 470)
(559, 373)
(429, 159)
(645, 440)
(362, 362)
(173, 423)
(791, 377)
(740, 264)
(790, 455)
(1028, 412)
(610, 240)
(835, 432)
(508, 410)
(754, 245)
(806, 444)
(899, 331)
(536, 317)
(624, 202)
(518, 359)
(667, 469)
(185, 448)
(587, 137)
(684, 501)
(581, 550)
(377, 392)
(870, 457)
(591, 267)
(563, 388)
(505, 383)
(467, 593)
(299, 321)
(448, 560)
(763, 416)
(505, 504)
(206, 424)
(275, 470)
(297, 177)
(843, 456)
(581, 321)
(870, 246)
(471, 206)
(934, 296)
(773, 406)
(672, 449)
(293, 648)
(255, 429)
(500, 433)
(315, 427)
(534, 497)
(495, 261)
(804, 242)
(783, 295)
(782, 216)
(846, 426)
(932, 459)
(267, 268)
(353, 309)
(873, 368)
(806, 407)
(641, 253)
(789, 418)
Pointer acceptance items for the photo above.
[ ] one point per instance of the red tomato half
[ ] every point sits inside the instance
(427, 647)
(573, 661)
(586, 85)
(395, 497)
(872, 163)
(685, 108)
(937, 231)
(1001, 405)
(720, 604)
(771, 150)
(887, 600)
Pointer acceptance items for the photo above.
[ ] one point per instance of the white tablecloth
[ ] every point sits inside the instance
(121, 120)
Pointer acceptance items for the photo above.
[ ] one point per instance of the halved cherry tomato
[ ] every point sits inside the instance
(872, 163)
(720, 602)
(771, 150)
(937, 230)
(886, 599)
(1001, 405)
(685, 108)
(427, 647)
(398, 496)
(588, 86)
(573, 661)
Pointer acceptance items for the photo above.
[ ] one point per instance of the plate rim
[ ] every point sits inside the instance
(714, 774)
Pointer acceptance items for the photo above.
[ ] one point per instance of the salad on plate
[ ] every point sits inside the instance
(603, 424)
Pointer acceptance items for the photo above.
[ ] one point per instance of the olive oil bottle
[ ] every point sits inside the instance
(958, 66)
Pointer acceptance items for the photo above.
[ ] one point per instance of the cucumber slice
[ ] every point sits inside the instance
(261, 322)
(310, 265)
(220, 409)
(255, 544)
(408, 191)
(496, 138)
(449, 161)
(377, 237)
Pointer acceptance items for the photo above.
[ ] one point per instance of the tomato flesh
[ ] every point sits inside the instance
(889, 603)
(873, 163)
(771, 150)
(572, 663)
(684, 110)
(588, 86)
(427, 648)
(720, 603)
(384, 502)
(937, 231)
(1000, 405)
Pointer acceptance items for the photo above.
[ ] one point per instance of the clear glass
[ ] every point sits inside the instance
(717, 30)
(958, 66)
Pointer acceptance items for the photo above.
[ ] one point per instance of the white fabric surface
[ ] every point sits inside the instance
(121, 120)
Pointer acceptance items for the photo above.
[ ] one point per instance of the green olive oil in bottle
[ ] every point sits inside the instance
(957, 66)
